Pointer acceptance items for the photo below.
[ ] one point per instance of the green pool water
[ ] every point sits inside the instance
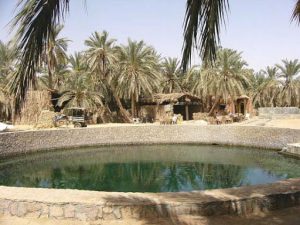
(153, 168)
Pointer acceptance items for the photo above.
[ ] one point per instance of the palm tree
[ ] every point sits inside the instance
(60, 78)
(36, 18)
(55, 55)
(79, 90)
(289, 71)
(101, 56)
(138, 71)
(172, 75)
(267, 90)
(8, 60)
(226, 78)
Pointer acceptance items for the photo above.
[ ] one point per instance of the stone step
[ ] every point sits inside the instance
(292, 149)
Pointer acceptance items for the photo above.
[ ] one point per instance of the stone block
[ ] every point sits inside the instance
(108, 213)
(13, 208)
(45, 211)
(86, 213)
(56, 212)
(34, 209)
(4, 206)
(69, 211)
(117, 213)
(22, 209)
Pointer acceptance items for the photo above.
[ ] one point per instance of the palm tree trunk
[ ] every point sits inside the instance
(123, 111)
(50, 75)
(214, 106)
(133, 106)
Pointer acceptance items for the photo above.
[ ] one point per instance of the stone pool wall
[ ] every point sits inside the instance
(93, 206)
(32, 141)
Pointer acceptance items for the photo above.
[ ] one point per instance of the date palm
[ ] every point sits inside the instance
(8, 61)
(228, 77)
(55, 55)
(60, 78)
(290, 71)
(138, 71)
(79, 90)
(101, 56)
(268, 89)
(171, 75)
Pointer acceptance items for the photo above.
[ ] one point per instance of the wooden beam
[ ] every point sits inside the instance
(187, 112)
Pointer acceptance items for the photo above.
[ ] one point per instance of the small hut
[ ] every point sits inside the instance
(162, 105)
(240, 105)
(243, 105)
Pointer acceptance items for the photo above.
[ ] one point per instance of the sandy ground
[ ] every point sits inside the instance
(289, 216)
(280, 123)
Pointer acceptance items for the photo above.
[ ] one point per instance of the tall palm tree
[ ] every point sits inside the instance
(79, 90)
(101, 57)
(230, 72)
(172, 75)
(36, 18)
(267, 90)
(138, 71)
(226, 78)
(55, 55)
(290, 71)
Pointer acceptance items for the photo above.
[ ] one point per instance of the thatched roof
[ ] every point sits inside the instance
(175, 97)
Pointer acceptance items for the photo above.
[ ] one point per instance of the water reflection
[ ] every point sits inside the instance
(116, 171)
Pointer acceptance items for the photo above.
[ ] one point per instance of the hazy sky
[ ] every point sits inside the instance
(261, 29)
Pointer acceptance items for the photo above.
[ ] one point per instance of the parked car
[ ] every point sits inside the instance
(74, 115)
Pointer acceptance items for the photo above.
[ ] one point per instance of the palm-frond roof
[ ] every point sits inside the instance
(173, 98)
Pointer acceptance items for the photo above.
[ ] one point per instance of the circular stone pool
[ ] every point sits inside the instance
(149, 168)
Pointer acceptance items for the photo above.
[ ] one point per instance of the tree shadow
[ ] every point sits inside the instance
(246, 205)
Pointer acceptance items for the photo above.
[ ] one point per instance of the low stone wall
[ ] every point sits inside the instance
(32, 141)
(101, 206)
(279, 112)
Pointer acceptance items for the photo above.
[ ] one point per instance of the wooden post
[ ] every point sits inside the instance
(187, 112)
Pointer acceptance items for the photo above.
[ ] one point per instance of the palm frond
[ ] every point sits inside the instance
(35, 20)
(296, 13)
(202, 28)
